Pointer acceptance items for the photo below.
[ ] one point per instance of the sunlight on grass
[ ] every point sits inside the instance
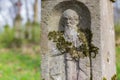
(17, 66)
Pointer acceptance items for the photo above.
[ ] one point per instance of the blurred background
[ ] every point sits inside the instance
(117, 37)
(20, 37)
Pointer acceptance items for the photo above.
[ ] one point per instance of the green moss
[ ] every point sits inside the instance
(104, 78)
(113, 0)
(67, 47)
(114, 77)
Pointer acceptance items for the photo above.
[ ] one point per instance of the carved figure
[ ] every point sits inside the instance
(74, 35)
(71, 40)
(70, 24)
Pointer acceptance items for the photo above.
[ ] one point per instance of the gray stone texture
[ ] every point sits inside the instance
(96, 15)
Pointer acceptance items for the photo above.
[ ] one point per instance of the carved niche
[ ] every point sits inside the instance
(71, 35)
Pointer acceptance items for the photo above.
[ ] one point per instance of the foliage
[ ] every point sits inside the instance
(117, 31)
(118, 62)
(7, 37)
(17, 66)
(35, 32)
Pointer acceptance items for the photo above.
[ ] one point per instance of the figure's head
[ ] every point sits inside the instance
(71, 18)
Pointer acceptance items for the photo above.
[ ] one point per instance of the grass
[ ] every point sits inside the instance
(118, 61)
(117, 32)
(17, 66)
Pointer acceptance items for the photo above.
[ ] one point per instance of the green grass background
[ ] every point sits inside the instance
(14, 64)
(17, 66)
(118, 61)
(117, 33)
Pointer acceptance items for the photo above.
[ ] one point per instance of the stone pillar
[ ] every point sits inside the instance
(107, 40)
(95, 16)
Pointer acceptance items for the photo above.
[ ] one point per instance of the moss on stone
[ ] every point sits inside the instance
(114, 77)
(113, 0)
(67, 47)
(104, 78)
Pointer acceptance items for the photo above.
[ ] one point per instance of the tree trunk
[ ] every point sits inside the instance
(36, 11)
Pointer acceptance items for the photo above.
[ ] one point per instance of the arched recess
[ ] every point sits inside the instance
(56, 22)
(80, 8)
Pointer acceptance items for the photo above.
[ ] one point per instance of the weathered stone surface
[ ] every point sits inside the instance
(95, 15)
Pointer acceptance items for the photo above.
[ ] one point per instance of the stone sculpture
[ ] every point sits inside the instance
(70, 44)
(71, 40)
(71, 34)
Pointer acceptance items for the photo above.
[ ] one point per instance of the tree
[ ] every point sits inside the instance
(36, 11)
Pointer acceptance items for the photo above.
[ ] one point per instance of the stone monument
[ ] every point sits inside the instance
(77, 40)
